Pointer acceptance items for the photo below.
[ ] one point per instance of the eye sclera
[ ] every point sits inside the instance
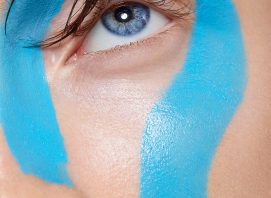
(151, 40)
(83, 17)
(109, 32)
(182, 19)
(105, 60)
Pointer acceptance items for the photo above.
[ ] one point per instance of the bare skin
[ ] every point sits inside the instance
(14, 184)
(107, 149)
(242, 167)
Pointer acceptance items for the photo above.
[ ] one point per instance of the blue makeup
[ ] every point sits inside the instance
(27, 113)
(185, 127)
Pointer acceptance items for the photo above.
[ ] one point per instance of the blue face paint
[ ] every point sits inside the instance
(185, 127)
(27, 114)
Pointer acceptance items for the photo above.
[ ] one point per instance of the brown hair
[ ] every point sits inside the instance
(72, 26)
(77, 25)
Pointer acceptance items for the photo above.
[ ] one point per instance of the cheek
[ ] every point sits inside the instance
(102, 137)
(185, 127)
(27, 113)
(102, 114)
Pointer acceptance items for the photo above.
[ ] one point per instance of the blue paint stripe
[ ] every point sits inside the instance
(27, 113)
(185, 127)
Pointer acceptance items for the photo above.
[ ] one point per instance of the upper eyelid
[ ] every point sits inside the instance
(181, 11)
(177, 8)
(185, 6)
(184, 10)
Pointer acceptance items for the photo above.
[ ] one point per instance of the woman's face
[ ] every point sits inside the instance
(153, 100)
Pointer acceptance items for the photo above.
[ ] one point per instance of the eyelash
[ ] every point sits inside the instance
(96, 8)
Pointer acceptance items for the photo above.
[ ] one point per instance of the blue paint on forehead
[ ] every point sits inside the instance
(186, 125)
(27, 113)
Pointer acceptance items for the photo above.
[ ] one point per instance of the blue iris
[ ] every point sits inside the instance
(127, 20)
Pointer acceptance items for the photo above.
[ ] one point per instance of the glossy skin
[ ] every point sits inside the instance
(94, 107)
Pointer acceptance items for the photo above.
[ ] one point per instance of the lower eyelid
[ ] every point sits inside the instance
(165, 36)
(95, 69)
(80, 53)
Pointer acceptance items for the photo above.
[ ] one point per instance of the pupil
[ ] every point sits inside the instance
(123, 14)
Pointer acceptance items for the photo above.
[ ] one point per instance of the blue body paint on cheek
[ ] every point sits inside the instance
(185, 127)
(27, 113)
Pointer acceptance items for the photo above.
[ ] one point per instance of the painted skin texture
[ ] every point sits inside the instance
(27, 113)
(203, 96)
(185, 127)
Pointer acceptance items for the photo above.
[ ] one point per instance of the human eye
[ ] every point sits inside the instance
(122, 25)
(105, 26)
